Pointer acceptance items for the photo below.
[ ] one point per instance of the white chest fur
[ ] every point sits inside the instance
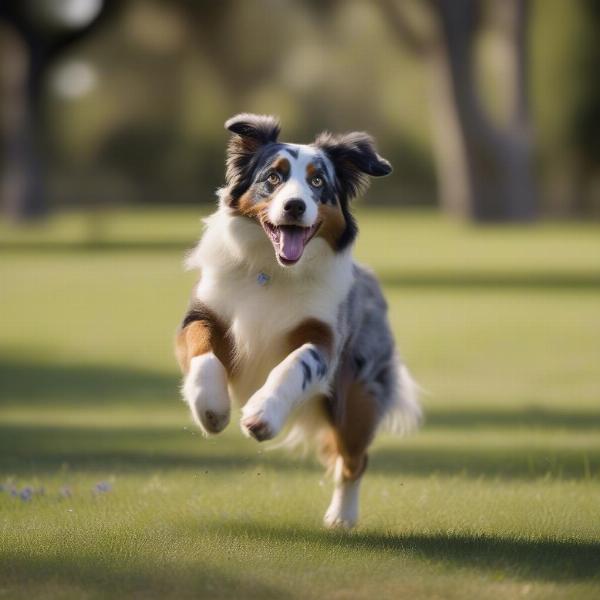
(231, 256)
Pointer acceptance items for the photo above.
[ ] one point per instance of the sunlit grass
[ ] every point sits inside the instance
(498, 496)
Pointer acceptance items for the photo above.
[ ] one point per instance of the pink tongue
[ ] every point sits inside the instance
(291, 244)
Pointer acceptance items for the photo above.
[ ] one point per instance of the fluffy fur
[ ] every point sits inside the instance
(282, 321)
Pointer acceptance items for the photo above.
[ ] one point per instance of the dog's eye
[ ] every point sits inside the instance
(316, 182)
(274, 179)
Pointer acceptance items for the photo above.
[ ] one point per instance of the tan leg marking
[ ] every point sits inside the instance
(205, 334)
(354, 430)
(312, 331)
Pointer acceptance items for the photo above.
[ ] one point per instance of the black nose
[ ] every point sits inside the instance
(294, 208)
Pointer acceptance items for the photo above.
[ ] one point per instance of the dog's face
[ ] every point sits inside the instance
(297, 192)
(292, 196)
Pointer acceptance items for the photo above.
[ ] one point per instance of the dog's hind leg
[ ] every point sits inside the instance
(204, 355)
(353, 430)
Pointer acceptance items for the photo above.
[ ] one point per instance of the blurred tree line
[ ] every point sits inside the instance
(490, 108)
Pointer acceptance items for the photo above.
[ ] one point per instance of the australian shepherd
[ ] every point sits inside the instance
(282, 320)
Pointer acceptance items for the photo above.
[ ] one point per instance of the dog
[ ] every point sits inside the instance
(282, 320)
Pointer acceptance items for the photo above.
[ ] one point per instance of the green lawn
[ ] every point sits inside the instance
(497, 496)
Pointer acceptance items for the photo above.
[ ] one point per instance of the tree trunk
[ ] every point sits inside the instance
(26, 52)
(485, 172)
(21, 187)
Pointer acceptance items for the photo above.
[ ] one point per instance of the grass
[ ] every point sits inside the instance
(497, 496)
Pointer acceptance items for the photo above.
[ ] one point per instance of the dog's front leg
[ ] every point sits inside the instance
(203, 354)
(300, 376)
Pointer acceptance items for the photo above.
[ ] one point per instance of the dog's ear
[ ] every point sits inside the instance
(354, 158)
(250, 134)
(260, 129)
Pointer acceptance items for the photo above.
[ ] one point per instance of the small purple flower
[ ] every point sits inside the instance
(26, 494)
(102, 487)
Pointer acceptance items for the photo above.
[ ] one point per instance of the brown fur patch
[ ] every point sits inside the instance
(191, 341)
(354, 419)
(333, 224)
(282, 165)
(204, 332)
(253, 210)
(312, 331)
(246, 205)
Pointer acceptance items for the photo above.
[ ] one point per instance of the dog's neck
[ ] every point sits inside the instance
(235, 247)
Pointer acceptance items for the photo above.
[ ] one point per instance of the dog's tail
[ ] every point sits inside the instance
(405, 414)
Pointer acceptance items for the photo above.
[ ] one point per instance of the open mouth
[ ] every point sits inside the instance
(289, 241)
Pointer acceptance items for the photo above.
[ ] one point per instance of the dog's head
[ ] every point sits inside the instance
(297, 192)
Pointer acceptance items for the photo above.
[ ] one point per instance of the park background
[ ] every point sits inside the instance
(486, 238)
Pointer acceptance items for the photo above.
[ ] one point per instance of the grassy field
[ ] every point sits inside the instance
(108, 490)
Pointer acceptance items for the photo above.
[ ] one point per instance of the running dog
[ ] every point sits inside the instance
(282, 320)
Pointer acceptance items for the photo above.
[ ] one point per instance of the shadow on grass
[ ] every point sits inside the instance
(483, 460)
(30, 383)
(541, 559)
(34, 450)
(531, 280)
(109, 575)
(533, 417)
(31, 450)
(25, 383)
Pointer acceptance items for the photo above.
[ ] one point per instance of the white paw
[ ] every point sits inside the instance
(262, 417)
(205, 391)
(335, 520)
(343, 509)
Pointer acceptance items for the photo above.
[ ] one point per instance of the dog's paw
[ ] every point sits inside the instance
(205, 391)
(210, 410)
(257, 427)
(343, 509)
(261, 418)
(211, 422)
(333, 519)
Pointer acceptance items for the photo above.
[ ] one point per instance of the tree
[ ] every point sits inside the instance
(30, 42)
(484, 167)
(585, 119)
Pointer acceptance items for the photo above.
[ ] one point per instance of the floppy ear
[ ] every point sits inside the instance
(354, 157)
(250, 134)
